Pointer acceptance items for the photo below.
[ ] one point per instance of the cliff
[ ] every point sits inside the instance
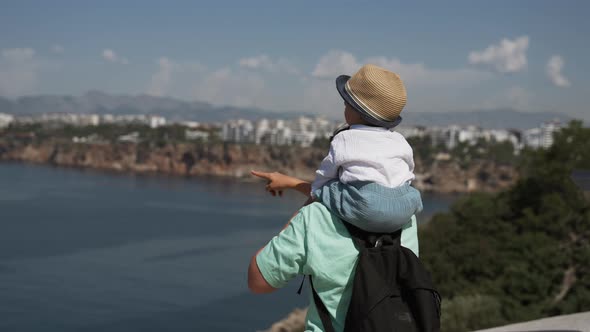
(235, 160)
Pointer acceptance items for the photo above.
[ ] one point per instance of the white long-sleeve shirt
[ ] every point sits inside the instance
(365, 153)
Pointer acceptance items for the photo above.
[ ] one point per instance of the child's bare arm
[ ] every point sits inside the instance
(277, 182)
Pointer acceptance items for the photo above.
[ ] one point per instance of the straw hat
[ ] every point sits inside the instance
(376, 93)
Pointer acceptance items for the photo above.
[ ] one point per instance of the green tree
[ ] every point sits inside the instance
(423, 148)
(525, 249)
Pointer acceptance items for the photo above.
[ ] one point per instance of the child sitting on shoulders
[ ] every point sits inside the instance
(365, 178)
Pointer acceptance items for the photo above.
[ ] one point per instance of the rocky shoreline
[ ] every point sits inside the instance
(236, 161)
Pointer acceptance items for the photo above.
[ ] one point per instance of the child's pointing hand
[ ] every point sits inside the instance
(276, 182)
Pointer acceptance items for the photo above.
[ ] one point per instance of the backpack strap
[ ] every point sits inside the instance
(301, 286)
(322, 310)
(363, 239)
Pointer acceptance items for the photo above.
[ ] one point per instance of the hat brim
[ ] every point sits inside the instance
(340, 86)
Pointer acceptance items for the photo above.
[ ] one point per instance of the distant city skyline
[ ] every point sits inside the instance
(528, 55)
(301, 131)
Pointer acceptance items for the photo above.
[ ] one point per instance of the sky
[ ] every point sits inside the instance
(284, 56)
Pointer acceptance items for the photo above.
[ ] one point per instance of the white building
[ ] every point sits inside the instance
(279, 124)
(503, 135)
(73, 119)
(92, 138)
(301, 131)
(541, 137)
(303, 139)
(441, 136)
(240, 131)
(262, 127)
(469, 134)
(411, 131)
(548, 129)
(107, 118)
(304, 131)
(303, 124)
(5, 120)
(497, 135)
(157, 121)
(154, 121)
(131, 137)
(532, 138)
(281, 136)
(196, 134)
(131, 119)
(452, 135)
(324, 128)
(191, 124)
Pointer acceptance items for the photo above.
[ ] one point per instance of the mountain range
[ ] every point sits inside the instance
(98, 102)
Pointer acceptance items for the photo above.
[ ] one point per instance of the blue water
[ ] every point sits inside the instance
(91, 251)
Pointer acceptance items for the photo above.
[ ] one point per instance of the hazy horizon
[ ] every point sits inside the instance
(525, 56)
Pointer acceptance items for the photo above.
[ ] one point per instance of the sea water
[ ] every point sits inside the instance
(91, 251)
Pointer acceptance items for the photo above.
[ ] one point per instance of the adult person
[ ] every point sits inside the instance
(364, 180)
(314, 242)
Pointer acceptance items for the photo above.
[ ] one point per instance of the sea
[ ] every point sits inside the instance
(82, 250)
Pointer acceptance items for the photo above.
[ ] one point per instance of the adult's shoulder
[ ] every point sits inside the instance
(317, 217)
(314, 210)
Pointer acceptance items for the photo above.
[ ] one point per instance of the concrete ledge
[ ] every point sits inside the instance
(579, 322)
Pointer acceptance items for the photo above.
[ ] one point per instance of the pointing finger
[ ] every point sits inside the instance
(259, 174)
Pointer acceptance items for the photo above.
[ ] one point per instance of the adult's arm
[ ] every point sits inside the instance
(256, 282)
(281, 260)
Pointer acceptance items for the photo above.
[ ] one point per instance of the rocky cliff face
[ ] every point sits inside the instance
(449, 177)
(234, 160)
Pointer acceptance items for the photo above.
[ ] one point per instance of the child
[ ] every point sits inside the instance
(365, 178)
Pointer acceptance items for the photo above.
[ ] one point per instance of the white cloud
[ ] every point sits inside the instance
(111, 56)
(508, 56)
(264, 62)
(321, 97)
(18, 54)
(57, 49)
(336, 63)
(18, 71)
(256, 62)
(516, 97)
(428, 88)
(171, 73)
(553, 70)
(161, 79)
(519, 98)
(235, 88)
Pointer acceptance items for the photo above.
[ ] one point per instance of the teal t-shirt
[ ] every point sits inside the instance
(316, 243)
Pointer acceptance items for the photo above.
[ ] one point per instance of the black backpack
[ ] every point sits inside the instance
(391, 290)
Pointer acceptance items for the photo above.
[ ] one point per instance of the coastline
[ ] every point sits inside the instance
(234, 161)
